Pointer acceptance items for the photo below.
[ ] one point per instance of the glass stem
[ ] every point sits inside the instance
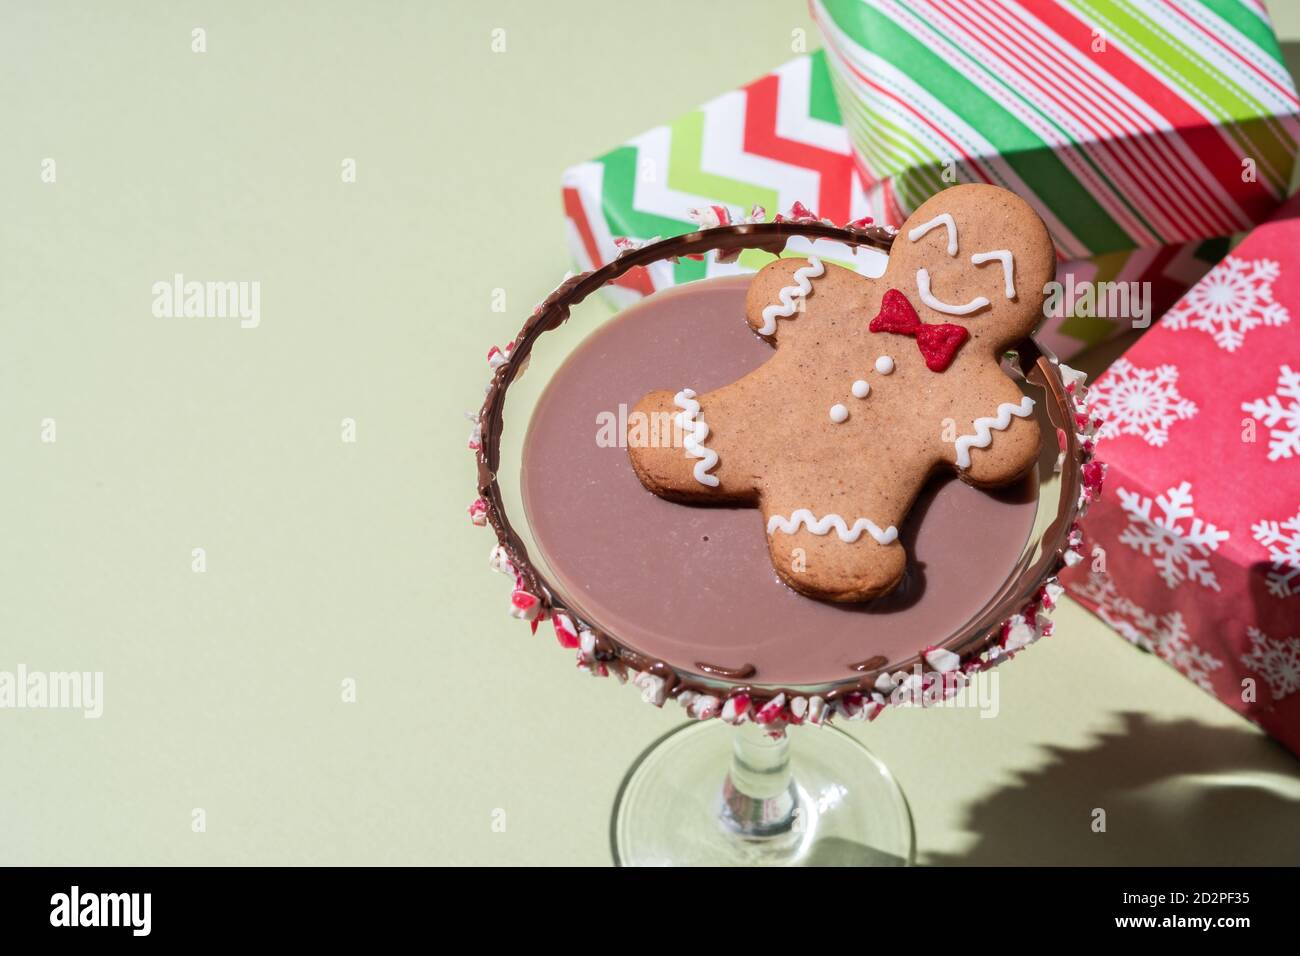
(759, 797)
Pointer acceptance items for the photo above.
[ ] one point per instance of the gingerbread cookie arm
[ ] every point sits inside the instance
(688, 451)
(783, 300)
(1000, 443)
(780, 293)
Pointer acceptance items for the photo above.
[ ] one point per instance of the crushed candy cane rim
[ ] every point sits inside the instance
(1016, 616)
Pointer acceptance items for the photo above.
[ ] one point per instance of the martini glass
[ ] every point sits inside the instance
(763, 790)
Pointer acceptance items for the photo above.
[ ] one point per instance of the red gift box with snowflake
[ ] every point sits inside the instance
(1196, 544)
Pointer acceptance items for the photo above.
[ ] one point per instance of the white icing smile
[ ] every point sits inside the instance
(923, 287)
(923, 275)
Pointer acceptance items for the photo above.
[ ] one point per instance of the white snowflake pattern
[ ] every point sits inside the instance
(1283, 421)
(1139, 401)
(1181, 550)
(1164, 635)
(1233, 298)
(1282, 539)
(1277, 662)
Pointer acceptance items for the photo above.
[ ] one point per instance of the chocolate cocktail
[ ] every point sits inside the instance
(682, 600)
(693, 586)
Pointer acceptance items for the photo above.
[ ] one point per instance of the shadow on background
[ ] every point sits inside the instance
(1175, 793)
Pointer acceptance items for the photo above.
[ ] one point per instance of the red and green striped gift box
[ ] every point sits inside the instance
(1129, 124)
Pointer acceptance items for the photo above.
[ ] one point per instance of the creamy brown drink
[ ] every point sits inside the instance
(694, 585)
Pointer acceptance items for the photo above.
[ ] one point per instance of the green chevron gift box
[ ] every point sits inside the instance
(1139, 188)
(772, 144)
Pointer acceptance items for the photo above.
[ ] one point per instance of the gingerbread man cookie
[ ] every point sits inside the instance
(874, 384)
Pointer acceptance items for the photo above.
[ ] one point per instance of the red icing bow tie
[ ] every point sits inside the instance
(938, 343)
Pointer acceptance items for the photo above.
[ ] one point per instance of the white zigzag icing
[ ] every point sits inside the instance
(697, 430)
(785, 308)
(824, 524)
(983, 434)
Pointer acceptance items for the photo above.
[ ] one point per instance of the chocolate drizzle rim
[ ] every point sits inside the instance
(1018, 593)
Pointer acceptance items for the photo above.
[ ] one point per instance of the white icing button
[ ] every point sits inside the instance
(861, 389)
(884, 365)
(839, 414)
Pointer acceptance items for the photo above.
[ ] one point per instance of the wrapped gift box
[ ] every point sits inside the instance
(778, 141)
(1137, 129)
(1197, 539)
(773, 143)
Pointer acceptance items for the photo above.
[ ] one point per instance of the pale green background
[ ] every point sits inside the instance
(329, 561)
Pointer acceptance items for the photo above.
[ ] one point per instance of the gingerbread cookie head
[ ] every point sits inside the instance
(977, 256)
(873, 385)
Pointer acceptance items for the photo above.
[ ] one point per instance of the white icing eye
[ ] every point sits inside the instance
(884, 365)
(943, 219)
(839, 414)
(1008, 267)
(861, 389)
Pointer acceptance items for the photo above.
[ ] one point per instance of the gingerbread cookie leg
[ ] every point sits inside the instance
(836, 552)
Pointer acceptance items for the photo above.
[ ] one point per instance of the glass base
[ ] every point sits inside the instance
(709, 794)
